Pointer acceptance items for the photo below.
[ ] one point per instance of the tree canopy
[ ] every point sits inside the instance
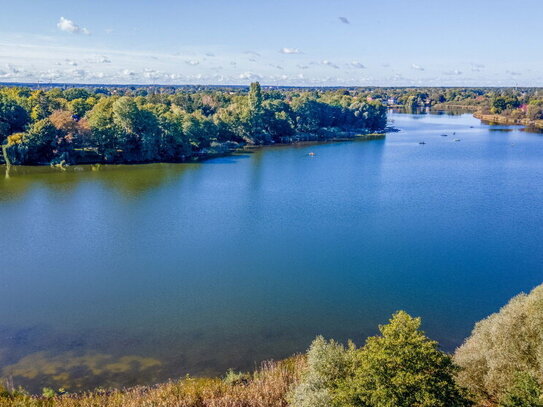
(136, 125)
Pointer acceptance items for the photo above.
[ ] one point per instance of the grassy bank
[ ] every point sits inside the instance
(268, 386)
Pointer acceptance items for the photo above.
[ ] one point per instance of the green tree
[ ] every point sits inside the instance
(277, 118)
(106, 136)
(255, 112)
(76, 93)
(41, 141)
(399, 368)
(13, 117)
(402, 368)
(255, 97)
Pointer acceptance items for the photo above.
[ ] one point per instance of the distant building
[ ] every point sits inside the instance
(392, 101)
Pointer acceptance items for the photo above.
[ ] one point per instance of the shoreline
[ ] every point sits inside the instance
(501, 119)
(208, 154)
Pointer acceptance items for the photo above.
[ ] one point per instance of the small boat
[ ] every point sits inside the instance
(311, 154)
(422, 142)
(456, 139)
(444, 135)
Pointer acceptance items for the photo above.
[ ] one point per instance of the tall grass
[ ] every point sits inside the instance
(268, 386)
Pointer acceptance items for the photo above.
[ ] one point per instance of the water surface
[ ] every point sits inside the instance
(118, 275)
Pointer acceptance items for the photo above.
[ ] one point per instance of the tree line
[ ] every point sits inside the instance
(133, 125)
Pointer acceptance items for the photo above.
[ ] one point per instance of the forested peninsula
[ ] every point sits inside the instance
(136, 125)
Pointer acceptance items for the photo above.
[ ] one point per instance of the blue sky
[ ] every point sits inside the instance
(279, 42)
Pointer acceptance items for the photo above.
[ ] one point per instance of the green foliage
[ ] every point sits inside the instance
(507, 342)
(329, 364)
(500, 103)
(525, 392)
(255, 98)
(399, 368)
(13, 117)
(71, 94)
(136, 125)
(535, 110)
(402, 368)
(48, 392)
(233, 378)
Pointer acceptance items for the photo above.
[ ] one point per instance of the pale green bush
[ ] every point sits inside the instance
(502, 345)
(328, 363)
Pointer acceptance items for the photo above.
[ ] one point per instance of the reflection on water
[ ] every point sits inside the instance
(129, 180)
(122, 275)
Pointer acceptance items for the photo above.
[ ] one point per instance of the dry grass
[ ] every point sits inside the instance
(267, 387)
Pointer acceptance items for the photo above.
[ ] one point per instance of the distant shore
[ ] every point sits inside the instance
(507, 120)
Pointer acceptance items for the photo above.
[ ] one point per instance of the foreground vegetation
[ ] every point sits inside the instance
(500, 364)
(109, 125)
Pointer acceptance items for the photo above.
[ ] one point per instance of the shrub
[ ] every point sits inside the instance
(525, 392)
(503, 344)
(233, 378)
(399, 368)
(403, 368)
(328, 364)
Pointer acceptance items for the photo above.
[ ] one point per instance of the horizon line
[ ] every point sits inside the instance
(76, 84)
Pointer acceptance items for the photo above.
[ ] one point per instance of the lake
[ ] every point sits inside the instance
(123, 275)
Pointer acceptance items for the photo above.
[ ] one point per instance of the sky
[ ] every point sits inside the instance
(277, 42)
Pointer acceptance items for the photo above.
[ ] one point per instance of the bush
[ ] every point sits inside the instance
(328, 365)
(503, 344)
(400, 368)
(525, 392)
(233, 378)
(403, 368)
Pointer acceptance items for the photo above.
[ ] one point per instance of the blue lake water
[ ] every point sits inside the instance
(119, 275)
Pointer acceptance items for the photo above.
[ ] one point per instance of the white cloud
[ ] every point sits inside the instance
(358, 65)
(477, 67)
(151, 74)
(290, 51)
(417, 67)
(253, 53)
(128, 73)
(104, 60)
(330, 64)
(250, 76)
(192, 62)
(69, 26)
(77, 73)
